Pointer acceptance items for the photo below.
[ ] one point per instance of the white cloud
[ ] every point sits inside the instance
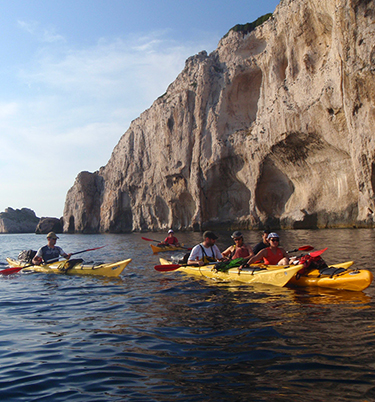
(79, 103)
(47, 35)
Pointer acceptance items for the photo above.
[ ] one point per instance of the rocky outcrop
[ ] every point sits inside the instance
(18, 221)
(47, 224)
(274, 127)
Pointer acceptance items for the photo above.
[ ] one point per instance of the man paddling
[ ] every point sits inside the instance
(205, 252)
(50, 251)
(263, 244)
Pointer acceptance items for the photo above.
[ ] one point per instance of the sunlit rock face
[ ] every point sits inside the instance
(275, 127)
(21, 220)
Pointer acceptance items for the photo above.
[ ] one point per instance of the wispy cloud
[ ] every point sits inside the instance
(79, 103)
(47, 35)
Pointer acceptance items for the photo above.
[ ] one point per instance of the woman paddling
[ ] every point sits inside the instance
(272, 255)
(239, 249)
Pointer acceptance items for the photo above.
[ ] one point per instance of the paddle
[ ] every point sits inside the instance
(13, 270)
(173, 267)
(303, 248)
(317, 253)
(163, 245)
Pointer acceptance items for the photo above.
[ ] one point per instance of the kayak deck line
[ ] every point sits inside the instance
(113, 269)
(278, 275)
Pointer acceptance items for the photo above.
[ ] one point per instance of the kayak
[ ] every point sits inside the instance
(110, 269)
(159, 249)
(277, 275)
(337, 276)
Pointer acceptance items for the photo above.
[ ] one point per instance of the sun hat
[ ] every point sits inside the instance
(235, 234)
(210, 235)
(273, 234)
(52, 235)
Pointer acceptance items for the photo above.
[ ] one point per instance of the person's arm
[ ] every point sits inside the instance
(176, 242)
(251, 252)
(195, 257)
(254, 258)
(64, 254)
(228, 251)
(217, 252)
(38, 258)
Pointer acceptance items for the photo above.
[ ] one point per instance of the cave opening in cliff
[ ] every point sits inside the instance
(273, 190)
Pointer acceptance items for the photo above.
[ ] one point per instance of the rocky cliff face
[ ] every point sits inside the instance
(18, 221)
(274, 127)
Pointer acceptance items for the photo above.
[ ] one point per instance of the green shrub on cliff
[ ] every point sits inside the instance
(250, 26)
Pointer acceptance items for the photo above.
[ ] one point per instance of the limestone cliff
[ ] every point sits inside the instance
(273, 127)
(18, 221)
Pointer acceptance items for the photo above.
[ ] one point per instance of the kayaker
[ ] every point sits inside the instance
(239, 249)
(272, 255)
(263, 244)
(207, 251)
(50, 251)
(170, 240)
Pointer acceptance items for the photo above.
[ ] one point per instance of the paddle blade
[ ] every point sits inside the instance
(318, 252)
(303, 248)
(166, 268)
(10, 271)
(306, 248)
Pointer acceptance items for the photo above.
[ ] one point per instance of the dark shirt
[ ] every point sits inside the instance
(259, 246)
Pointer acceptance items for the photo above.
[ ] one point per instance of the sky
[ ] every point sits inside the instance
(75, 73)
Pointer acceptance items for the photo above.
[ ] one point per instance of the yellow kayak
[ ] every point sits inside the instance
(158, 249)
(111, 269)
(277, 275)
(337, 276)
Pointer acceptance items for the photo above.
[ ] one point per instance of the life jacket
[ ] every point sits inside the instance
(171, 240)
(50, 253)
(240, 252)
(206, 258)
(271, 258)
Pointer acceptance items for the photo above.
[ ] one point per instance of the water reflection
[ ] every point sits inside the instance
(170, 337)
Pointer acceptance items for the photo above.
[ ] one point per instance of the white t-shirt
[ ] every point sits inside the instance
(197, 252)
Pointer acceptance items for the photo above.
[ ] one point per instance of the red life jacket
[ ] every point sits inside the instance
(271, 258)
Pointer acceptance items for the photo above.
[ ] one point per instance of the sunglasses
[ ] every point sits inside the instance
(237, 238)
(274, 240)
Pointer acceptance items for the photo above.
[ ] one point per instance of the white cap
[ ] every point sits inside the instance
(170, 231)
(272, 234)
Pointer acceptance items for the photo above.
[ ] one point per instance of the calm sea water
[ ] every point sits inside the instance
(150, 336)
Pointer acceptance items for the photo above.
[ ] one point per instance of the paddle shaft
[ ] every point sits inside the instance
(163, 245)
(173, 267)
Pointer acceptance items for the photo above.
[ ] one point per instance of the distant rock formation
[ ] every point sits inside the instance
(275, 127)
(47, 225)
(18, 221)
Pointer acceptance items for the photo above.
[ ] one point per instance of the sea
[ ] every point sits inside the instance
(152, 336)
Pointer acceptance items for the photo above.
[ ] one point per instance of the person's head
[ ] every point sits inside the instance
(237, 237)
(170, 233)
(265, 236)
(273, 239)
(209, 238)
(51, 238)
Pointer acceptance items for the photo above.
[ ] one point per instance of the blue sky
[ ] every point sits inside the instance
(76, 73)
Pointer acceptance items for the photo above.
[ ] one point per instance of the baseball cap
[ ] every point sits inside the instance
(210, 235)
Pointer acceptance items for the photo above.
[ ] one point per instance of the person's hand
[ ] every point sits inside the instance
(68, 256)
(37, 260)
